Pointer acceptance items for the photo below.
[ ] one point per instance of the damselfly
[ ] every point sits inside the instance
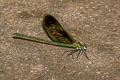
(58, 36)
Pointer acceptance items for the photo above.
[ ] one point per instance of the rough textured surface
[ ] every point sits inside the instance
(94, 22)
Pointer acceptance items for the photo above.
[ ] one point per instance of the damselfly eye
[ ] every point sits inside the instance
(85, 46)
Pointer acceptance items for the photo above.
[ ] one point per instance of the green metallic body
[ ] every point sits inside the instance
(23, 36)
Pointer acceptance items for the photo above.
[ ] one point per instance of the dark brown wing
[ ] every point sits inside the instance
(55, 31)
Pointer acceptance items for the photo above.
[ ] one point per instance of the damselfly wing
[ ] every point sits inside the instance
(55, 31)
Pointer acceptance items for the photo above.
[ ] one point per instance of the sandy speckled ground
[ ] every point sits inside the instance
(93, 22)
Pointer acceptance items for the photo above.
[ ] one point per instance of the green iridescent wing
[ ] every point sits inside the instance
(55, 31)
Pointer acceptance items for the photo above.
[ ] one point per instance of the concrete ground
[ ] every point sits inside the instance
(93, 22)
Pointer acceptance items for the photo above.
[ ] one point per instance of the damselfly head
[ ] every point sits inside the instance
(84, 47)
(81, 48)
